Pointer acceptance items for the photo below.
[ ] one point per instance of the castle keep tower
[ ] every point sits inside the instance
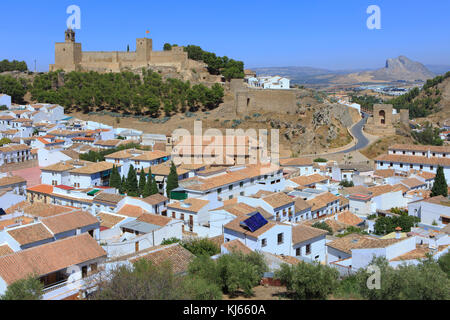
(144, 47)
(67, 54)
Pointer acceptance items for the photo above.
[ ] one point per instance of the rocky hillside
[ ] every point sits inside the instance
(397, 69)
(317, 125)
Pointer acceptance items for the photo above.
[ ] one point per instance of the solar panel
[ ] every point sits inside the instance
(255, 222)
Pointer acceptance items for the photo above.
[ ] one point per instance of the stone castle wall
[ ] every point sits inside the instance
(248, 100)
(70, 57)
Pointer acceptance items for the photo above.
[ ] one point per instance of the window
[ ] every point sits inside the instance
(411, 166)
(280, 238)
(241, 184)
(242, 193)
(308, 249)
(182, 216)
(298, 252)
(230, 197)
(431, 168)
(264, 242)
(401, 165)
(421, 166)
(230, 187)
(219, 190)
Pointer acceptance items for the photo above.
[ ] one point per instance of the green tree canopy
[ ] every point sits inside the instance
(440, 187)
(114, 178)
(132, 187)
(308, 281)
(147, 281)
(172, 180)
(30, 288)
(142, 182)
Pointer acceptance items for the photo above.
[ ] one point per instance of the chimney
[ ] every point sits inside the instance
(398, 233)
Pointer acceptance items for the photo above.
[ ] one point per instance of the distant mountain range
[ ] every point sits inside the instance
(397, 69)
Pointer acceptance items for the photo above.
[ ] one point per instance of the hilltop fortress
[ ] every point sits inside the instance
(70, 57)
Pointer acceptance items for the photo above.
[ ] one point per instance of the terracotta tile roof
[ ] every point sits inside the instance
(343, 201)
(237, 246)
(357, 241)
(301, 205)
(421, 148)
(321, 201)
(64, 133)
(71, 153)
(420, 193)
(426, 175)
(218, 240)
(50, 257)
(412, 183)
(400, 187)
(163, 169)
(250, 171)
(419, 253)
(151, 155)
(309, 180)
(122, 154)
(131, 211)
(434, 161)
(296, 162)
(7, 118)
(349, 218)
(95, 167)
(278, 200)
(386, 173)
(108, 143)
(69, 221)
(302, 233)
(39, 209)
(108, 220)
(8, 181)
(440, 200)
(155, 199)
(154, 219)
(30, 234)
(179, 257)
(23, 220)
(238, 209)
(42, 188)
(83, 139)
(236, 226)
(14, 148)
(378, 190)
(59, 167)
(262, 194)
(190, 205)
(5, 250)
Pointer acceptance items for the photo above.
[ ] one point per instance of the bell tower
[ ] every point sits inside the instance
(68, 54)
(70, 35)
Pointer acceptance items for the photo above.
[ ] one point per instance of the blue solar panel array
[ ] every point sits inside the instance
(255, 222)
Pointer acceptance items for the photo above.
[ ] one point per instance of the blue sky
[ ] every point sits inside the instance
(326, 33)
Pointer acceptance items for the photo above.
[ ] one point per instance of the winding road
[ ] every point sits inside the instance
(358, 135)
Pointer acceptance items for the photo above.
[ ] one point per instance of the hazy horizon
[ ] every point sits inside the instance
(326, 35)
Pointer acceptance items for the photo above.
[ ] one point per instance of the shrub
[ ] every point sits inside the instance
(231, 272)
(30, 288)
(308, 281)
(200, 247)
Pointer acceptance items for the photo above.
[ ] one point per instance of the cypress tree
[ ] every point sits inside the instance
(114, 178)
(172, 179)
(440, 184)
(123, 185)
(132, 187)
(146, 192)
(142, 182)
(153, 187)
